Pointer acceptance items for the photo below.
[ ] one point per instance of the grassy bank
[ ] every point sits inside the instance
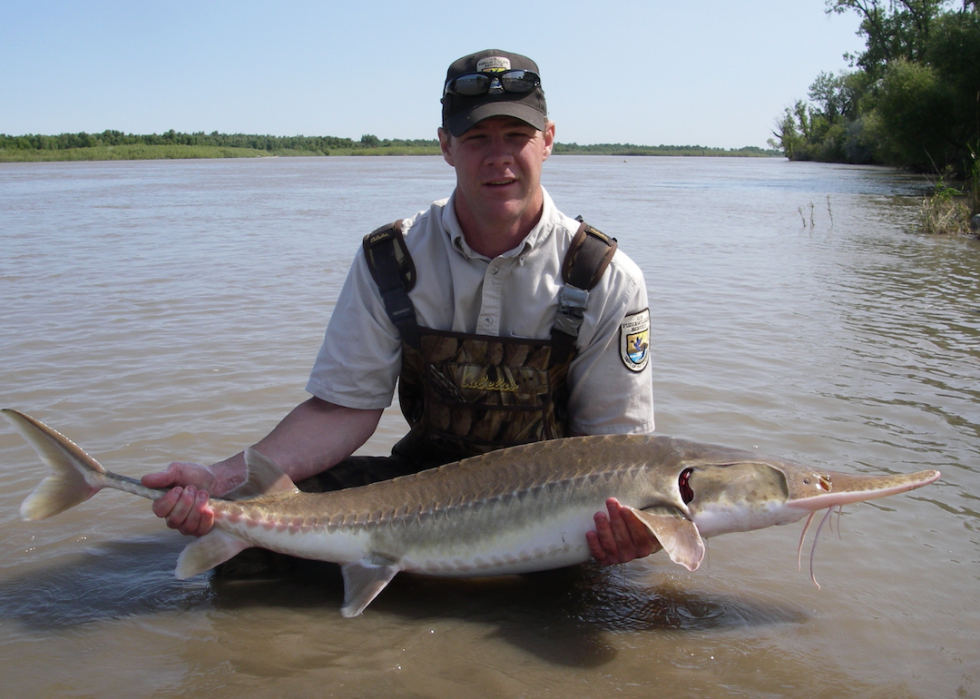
(948, 210)
(115, 145)
(682, 151)
(389, 150)
(173, 152)
(128, 152)
(177, 152)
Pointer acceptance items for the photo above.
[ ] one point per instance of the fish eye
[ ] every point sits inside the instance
(806, 481)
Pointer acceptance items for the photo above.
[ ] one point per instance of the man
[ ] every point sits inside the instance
(467, 308)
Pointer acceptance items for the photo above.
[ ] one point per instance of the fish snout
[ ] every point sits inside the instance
(815, 490)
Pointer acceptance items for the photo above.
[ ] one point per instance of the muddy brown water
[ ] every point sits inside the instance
(155, 311)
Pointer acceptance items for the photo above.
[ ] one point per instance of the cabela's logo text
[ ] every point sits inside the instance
(485, 384)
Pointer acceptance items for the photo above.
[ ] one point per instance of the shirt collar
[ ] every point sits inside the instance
(533, 239)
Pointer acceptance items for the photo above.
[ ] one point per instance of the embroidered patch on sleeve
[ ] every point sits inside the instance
(634, 340)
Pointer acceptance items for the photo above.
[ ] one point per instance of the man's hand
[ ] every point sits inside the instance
(620, 537)
(185, 506)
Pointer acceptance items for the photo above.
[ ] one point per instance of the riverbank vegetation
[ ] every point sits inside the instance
(115, 145)
(630, 149)
(911, 100)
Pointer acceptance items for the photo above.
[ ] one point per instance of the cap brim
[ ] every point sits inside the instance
(463, 120)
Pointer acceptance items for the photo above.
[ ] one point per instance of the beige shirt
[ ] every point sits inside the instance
(513, 295)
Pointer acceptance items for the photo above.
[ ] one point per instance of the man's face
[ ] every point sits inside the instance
(498, 172)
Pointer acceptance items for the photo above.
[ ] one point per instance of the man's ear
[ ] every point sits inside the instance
(445, 143)
(549, 138)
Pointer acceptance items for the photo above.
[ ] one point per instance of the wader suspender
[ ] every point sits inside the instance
(394, 273)
(584, 264)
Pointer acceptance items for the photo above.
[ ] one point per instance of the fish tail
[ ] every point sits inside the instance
(75, 476)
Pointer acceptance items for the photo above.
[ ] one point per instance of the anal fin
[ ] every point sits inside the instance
(679, 536)
(363, 581)
(212, 549)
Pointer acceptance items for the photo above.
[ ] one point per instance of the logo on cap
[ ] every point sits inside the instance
(493, 64)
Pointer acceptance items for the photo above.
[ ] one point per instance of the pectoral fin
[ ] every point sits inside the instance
(363, 581)
(679, 536)
(212, 549)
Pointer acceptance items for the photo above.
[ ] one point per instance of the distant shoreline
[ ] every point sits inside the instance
(182, 152)
(72, 148)
(104, 153)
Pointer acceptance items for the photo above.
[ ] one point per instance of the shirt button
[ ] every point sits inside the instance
(494, 270)
(488, 321)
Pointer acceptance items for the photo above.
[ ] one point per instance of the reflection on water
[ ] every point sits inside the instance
(110, 581)
(171, 310)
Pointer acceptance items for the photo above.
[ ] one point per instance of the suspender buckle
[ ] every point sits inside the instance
(572, 302)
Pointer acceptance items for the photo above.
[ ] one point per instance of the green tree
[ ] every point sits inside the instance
(913, 99)
(954, 53)
(894, 29)
(915, 107)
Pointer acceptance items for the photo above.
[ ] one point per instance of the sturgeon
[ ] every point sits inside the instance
(516, 510)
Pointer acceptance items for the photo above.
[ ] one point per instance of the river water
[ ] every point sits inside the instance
(155, 311)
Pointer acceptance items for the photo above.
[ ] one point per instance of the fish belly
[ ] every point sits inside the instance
(502, 547)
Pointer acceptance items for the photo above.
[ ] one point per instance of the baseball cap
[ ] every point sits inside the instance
(461, 112)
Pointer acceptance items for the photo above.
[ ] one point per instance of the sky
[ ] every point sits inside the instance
(714, 73)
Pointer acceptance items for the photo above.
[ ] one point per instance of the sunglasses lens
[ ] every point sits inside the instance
(519, 81)
(471, 85)
(475, 84)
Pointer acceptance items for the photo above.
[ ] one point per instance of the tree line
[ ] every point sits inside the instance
(631, 149)
(308, 144)
(911, 98)
(322, 145)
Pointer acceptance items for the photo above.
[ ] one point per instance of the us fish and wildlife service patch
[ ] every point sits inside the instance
(634, 340)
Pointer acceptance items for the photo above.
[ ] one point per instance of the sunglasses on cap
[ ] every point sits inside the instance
(475, 84)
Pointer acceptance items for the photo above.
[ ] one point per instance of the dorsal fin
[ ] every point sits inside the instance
(264, 478)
